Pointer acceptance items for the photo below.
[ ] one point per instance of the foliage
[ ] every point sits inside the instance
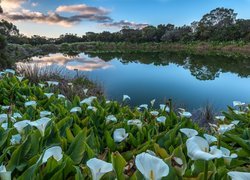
(86, 133)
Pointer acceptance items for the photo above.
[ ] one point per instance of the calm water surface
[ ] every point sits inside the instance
(191, 82)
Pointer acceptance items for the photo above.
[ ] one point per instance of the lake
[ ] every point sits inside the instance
(191, 81)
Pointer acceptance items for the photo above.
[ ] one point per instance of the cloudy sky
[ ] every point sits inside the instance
(54, 17)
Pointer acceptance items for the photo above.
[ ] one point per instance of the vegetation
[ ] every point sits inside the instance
(44, 135)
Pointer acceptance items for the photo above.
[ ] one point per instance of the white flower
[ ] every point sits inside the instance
(55, 152)
(225, 127)
(98, 168)
(198, 148)
(107, 102)
(161, 119)
(20, 78)
(60, 96)
(85, 91)
(154, 113)
(144, 106)
(120, 135)
(111, 118)
(5, 107)
(11, 71)
(164, 107)
(235, 175)
(238, 112)
(88, 100)
(76, 109)
(151, 167)
(45, 113)
(238, 103)
(3, 117)
(152, 102)
(221, 118)
(4, 126)
(30, 103)
(227, 156)
(70, 84)
(185, 114)
(125, 97)
(92, 108)
(210, 139)
(4, 174)
(235, 122)
(21, 125)
(135, 122)
(41, 124)
(41, 85)
(17, 115)
(15, 139)
(52, 83)
(48, 94)
(189, 132)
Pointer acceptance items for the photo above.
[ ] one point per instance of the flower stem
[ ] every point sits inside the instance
(205, 170)
(219, 142)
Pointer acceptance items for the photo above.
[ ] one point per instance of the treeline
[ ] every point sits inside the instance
(221, 24)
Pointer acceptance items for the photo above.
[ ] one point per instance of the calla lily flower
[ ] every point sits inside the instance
(120, 135)
(88, 100)
(125, 97)
(41, 85)
(4, 174)
(41, 124)
(4, 126)
(135, 122)
(161, 119)
(227, 156)
(11, 71)
(5, 107)
(52, 83)
(20, 125)
(76, 109)
(238, 103)
(92, 108)
(145, 106)
(235, 122)
(85, 91)
(152, 102)
(185, 114)
(107, 102)
(70, 84)
(55, 152)
(164, 107)
(198, 148)
(225, 127)
(111, 118)
(154, 113)
(221, 118)
(20, 78)
(15, 139)
(45, 113)
(3, 118)
(236, 175)
(60, 96)
(30, 103)
(17, 115)
(98, 168)
(48, 94)
(151, 167)
(189, 132)
(210, 139)
(238, 112)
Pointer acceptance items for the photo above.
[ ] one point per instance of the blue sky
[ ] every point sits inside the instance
(54, 17)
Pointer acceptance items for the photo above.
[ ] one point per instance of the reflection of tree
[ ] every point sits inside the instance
(202, 67)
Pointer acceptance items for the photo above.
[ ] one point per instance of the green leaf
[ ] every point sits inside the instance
(118, 164)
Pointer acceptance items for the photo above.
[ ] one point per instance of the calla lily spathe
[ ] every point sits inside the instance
(151, 167)
(120, 135)
(76, 109)
(60, 96)
(164, 107)
(45, 113)
(135, 122)
(4, 126)
(55, 152)
(15, 139)
(198, 148)
(125, 97)
(98, 168)
(92, 108)
(85, 91)
(52, 83)
(236, 175)
(185, 114)
(227, 156)
(20, 78)
(210, 139)
(238, 103)
(88, 100)
(5, 107)
(189, 132)
(152, 102)
(111, 118)
(3, 118)
(20, 125)
(161, 119)
(41, 85)
(4, 174)
(17, 115)
(145, 106)
(220, 118)
(154, 113)
(48, 94)
(41, 124)
(30, 103)
(11, 71)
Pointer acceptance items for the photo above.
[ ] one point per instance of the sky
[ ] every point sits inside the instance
(52, 18)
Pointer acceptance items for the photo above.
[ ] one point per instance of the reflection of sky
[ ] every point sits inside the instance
(82, 62)
(145, 82)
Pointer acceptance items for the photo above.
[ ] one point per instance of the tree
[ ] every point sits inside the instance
(8, 29)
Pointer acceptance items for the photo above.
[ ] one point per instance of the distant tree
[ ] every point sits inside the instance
(149, 33)
(8, 29)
